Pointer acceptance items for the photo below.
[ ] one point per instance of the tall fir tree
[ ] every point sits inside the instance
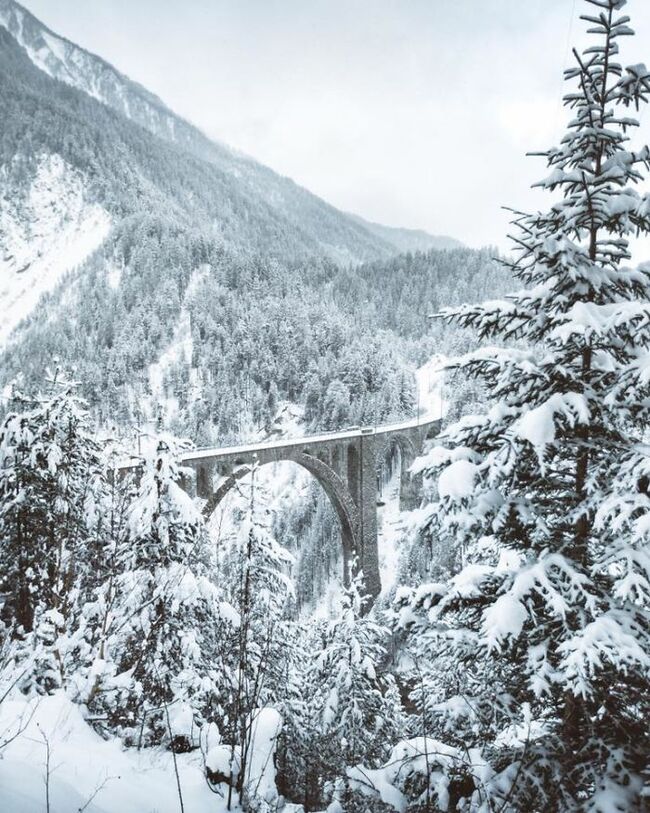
(548, 491)
(257, 571)
(169, 617)
(52, 484)
(353, 702)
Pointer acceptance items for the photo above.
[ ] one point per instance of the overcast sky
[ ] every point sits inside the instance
(409, 112)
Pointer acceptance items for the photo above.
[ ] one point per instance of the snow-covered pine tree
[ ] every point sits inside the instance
(298, 759)
(548, 490)
(168, 616)
(355, 706)
(98, 592)
(52, 485)
(256, 570)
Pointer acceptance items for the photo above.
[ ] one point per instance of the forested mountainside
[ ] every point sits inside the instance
(203, 296)
(409, 239)
(314, 225)
(128, 171)
(218, 347)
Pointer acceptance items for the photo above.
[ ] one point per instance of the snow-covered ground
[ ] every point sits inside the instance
(57, 763)
(86, 772)
(48, 233)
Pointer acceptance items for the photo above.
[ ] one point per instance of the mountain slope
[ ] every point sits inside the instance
(128, 167)
(180, 280)
(339, 235)
(107, 162)
(409, 239)
(45, 233)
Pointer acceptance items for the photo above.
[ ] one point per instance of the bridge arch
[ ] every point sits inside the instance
(407, 451)
(404, 442)
(345, 463)
(333, 485)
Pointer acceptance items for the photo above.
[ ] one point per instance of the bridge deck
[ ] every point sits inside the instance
(304, 440)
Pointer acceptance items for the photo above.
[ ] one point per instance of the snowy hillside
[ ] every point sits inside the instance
(270, 316)
(409, 239)
(67, 62)
(343, 236)
(86, 771)
(47, 231)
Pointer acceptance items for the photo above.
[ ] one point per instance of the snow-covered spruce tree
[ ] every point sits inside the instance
(168, 617)
(298, 759)
(52, 485)
(97, 594)
(548, 489)
(354, 706)
(256, 570)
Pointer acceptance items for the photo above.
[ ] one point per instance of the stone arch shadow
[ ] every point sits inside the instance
(332, 484)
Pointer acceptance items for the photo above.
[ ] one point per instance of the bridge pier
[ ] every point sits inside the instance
(369, 550)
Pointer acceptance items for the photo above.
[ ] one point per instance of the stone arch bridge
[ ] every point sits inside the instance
(348, 466)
